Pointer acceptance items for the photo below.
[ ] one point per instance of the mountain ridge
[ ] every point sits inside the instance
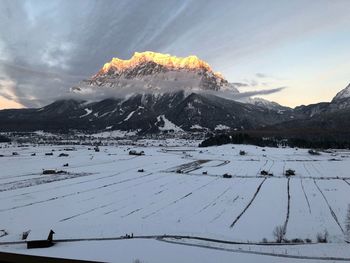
(141, 112)
(151, 71)
(166, 93)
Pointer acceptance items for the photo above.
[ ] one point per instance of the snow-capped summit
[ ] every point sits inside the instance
(156, 72)
(343, 94)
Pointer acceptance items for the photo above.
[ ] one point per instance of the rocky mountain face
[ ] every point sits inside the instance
(144, 113)
(158, 92)
(343, 94)
(155, 72)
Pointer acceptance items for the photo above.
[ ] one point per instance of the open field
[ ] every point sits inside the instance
(172, 203)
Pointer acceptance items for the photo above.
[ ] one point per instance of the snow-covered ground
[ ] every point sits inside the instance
(181, 192)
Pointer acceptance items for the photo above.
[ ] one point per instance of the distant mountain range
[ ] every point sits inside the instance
(328, 119)
(153, 92)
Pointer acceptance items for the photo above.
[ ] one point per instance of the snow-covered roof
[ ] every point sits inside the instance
(38, 234)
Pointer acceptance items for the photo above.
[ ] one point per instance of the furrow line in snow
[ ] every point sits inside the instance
(218, 216)
(250, 202)
(39, 180)
(177, 200)
(346, 181)
(103, 206)
(169, 183)
(130, 213)
(306, 198)
(330, 208)
(85, 212)
(172, 203)
(137, 184)
(307, 170)
(16, 176)
(222, 164)
(162, 192)
(223, 211)
(214, 201)
(187, 167)
(115, 210)
(316, 169)
(101, 163)
(75, 183)
(261, 168)
(273, 163)
(71, 194)
(121, 200)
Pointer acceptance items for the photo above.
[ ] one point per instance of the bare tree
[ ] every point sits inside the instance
(322, 237)
(278, 233)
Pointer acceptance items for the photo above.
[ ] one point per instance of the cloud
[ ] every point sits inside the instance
(242, 95)
(44, 45)
(93, 93)
(261, 75)
(239, 84)
(55, 55)
(261, 92)
(6, 89)
(33, 87)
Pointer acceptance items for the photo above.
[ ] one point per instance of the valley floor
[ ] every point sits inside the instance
(180, 208)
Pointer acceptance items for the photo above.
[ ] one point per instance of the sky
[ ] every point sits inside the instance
(298, 48)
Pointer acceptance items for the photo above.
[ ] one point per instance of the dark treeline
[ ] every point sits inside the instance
(240, 138)
(244, 138)
(4, 139)
(320, 143)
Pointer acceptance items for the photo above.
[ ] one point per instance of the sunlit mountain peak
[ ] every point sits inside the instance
(166, 60)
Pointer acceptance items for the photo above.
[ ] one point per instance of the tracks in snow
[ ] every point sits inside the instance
(346, 182)
(112, 203)
(223, 211)
(212, 203)
(83, 213)
(306, 198)
(39, 180)
(178, 199)
(250, 202)
(187, 167)
(326, 200)
(330, 208)
(222, 164)
(74, 183)
(74, 193)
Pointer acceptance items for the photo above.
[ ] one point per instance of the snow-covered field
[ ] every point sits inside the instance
(180, 193)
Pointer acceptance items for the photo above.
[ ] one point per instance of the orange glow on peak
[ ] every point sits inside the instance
(171, 62)
(219, 74)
